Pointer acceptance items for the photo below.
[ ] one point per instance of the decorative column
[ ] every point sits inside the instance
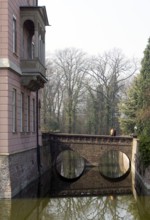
(36, 48)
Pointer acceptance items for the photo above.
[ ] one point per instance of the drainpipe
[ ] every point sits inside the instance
(37, 132)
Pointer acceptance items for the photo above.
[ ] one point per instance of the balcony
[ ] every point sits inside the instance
(33, 74)
(32, 62)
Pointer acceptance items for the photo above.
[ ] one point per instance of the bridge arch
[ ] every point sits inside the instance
(91, 148)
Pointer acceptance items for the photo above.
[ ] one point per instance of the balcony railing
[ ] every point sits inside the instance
(33, 74)
(32, 66)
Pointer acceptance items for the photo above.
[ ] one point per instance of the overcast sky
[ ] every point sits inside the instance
(96, 26)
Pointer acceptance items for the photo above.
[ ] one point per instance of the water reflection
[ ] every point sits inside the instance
(69, 164)
(114, 165)
(90, 208)
(85, 208)
(36, 203)
(41, 200)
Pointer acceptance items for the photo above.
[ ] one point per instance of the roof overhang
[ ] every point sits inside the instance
(41, 10)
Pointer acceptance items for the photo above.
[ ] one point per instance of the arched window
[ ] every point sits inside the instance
(28, 39)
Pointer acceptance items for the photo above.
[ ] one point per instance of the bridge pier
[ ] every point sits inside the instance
(140, 178)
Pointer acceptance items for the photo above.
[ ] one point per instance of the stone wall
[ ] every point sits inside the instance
(140, 174)
(19, 169)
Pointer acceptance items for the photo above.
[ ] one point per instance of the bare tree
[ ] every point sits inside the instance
(52, 99)
(108, 73)
(62, 96)
(71, 63)
(82, 95)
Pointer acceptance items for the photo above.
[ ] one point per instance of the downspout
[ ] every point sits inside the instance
(37, 133)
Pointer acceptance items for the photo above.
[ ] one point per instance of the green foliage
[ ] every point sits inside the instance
(128, 108)
(144, 149)
(135, 108)
(143, 113)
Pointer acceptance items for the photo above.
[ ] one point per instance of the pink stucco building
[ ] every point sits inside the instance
(22, 76)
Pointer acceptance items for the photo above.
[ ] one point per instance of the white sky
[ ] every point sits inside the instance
(96, 26)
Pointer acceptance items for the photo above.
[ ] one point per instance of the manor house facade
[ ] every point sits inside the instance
(22, 76)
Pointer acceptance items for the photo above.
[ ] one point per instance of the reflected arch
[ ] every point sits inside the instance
(114, 165)
(70, 165)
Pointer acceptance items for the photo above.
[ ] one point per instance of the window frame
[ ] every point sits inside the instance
(33, 116)
(14, 27)
(14, 110)
(22, 112)
(28, 113)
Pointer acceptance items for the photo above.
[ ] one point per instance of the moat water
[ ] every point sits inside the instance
(36, 204)
(60, 194)
(75, 208)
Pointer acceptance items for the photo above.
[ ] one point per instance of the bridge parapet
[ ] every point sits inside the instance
(90, 147)
(91, 139)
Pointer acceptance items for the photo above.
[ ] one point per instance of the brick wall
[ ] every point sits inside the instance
(89, 184)
(91, 148)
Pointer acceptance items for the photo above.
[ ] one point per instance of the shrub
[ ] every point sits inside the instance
(144, 150)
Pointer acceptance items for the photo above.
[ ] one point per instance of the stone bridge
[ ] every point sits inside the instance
(91, 148)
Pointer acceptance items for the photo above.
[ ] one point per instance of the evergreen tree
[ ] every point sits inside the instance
(135, 108)
(128, 108)
(143, 113)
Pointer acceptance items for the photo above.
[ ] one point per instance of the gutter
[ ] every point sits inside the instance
(37, 133)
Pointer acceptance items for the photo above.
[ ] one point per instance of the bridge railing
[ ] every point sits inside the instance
(84, 138)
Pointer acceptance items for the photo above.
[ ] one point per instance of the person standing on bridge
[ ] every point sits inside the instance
(113, 132)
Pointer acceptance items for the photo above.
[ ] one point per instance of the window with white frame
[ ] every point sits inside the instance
(28, 113)
(33, 116)
(14, 111)
(14, 35)
(22, 112)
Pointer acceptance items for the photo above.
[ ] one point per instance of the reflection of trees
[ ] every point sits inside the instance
(89, 208)
(69, 164)
(114, 164)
